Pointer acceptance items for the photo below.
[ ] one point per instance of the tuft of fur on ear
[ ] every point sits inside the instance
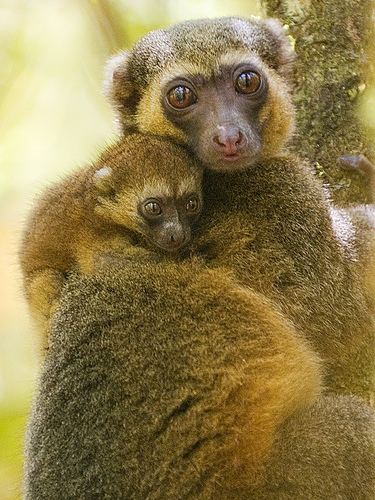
(120, 91)
(102, 180)
(284, 48)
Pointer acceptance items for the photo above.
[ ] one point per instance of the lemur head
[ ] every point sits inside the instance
(219, 86)
(150, 186)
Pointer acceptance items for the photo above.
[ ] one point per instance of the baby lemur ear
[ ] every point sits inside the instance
(285, 54)
(103, 180)
(120, 90)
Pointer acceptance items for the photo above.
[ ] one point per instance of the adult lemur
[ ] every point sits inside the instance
(138, 203)
(150, 388)
(221, 87)
(155, 386)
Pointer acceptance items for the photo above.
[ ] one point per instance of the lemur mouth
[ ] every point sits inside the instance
(172, 248)
(232, 157)
(232, 162)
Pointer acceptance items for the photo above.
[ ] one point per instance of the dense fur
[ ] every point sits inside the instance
(147, 405)
(89, 213)
(155, 402)
(270, 223)
(326, 451)
(170, 381)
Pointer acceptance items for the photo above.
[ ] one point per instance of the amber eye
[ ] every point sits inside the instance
(152, 208)
(248, 82)
(181, 97)
(192, 205)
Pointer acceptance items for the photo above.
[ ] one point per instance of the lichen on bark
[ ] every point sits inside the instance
(334, 42)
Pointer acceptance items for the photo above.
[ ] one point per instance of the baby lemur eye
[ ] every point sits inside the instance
(181, 97)
(152, 208)
(192, 205)
(248, 82)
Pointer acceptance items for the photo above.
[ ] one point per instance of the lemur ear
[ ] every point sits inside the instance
(120, 90)
(285, 53)
(103, 180)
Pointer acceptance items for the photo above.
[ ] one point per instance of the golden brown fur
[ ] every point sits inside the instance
(87, 214)
(199, 371)
(155, 391)
(271, 222)
(175, 381)
(76, 226)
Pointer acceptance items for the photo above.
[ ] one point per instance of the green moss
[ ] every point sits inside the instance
(332, 71)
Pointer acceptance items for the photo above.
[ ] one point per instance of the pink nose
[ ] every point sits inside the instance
(229, 140)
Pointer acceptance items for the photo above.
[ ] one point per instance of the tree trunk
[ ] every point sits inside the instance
(333, 68)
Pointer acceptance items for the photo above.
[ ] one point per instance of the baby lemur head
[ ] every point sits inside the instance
(149, 186)
(218, 85)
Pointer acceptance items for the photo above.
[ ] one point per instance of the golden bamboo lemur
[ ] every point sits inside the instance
(175, 380)
(142, 193)
(168, 380)
(165, 381)
(220, 86)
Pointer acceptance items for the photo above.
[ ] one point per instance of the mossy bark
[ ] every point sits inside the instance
(334, 67)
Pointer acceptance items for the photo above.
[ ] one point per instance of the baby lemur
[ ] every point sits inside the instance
(221, 87)
(142, 193)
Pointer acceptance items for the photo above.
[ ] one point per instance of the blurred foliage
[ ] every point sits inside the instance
(53, 117)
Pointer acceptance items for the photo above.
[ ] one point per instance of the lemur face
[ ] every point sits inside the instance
(167, 221)
(149, 187)
(163, 219)
(217, 86)
(220, 114)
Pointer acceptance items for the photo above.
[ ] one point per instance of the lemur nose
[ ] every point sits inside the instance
(177, 238)
(229, 140)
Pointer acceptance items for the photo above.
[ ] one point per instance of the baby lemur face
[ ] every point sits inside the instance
(217, 85)
(167, 220)
(150, 187)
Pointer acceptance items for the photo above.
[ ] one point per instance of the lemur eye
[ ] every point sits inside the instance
(181, 97)
(248, 82)
(192, 205)
(152, 208)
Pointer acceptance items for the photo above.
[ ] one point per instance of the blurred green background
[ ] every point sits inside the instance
(53, 117)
